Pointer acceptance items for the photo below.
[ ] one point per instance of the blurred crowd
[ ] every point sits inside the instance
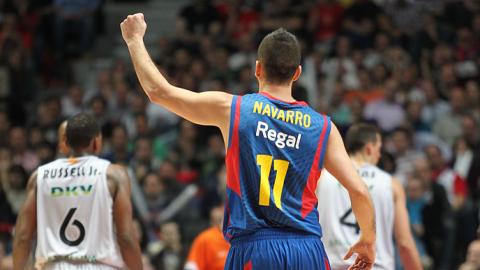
(411, 67)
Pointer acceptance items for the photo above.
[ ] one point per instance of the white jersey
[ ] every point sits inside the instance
(74, 216)
(340, 228)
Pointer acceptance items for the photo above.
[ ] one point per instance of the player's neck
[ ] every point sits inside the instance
(281, 92)
(361, 159)
(76, 154)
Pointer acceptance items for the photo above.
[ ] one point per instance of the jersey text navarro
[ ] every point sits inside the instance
(293, 117)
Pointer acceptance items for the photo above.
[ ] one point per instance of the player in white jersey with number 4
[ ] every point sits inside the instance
(340, 229)
(79, 209)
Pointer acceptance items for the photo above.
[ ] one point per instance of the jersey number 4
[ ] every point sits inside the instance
(281, 167)
(343, 221)
(75, 223)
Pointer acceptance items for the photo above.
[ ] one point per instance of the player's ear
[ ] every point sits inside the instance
(297, 73)
(258, 69)
(97, 144)
(368, 149)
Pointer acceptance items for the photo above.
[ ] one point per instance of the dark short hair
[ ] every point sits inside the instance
(279, 53)
(81, 130)
(359, 135)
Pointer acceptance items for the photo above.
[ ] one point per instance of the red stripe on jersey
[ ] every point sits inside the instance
(309, 198)
(233, 155)
(248, 266)
(327, 264)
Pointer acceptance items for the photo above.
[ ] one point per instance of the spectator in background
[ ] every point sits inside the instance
(209, 249)
(416, 194)
(74, 17)
(473, 98)
(171, 253)
(156, 194)
(168, 171)
(402, 148)
(448, 126)
(414, 116)
(45, 152)
(457, 193)
(471, 130)
(199, 16)
(98, 108)
(119, 152)
(118, 104)
(48, 116)
(473, 257)
(72, 104)
(463, 163)
(142, 161)
(454, 184)
(386, 112)
(4, 127)
(324, 20)
(7, 217)
(184, 153)
(437, 218)
(15, 187)
(340, 110)
(340, 67)
(21, 155)
(434, 106)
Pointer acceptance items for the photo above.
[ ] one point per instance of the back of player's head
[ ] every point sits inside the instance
(359, 135)
(81, 130)
(279, 54)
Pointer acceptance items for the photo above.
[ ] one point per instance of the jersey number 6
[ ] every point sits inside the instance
(281, 167)
(76, 223)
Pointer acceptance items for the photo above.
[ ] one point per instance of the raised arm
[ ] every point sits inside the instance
(206, 108)
(26, 226)
(340, 166)
(403, 236)
(122, 215)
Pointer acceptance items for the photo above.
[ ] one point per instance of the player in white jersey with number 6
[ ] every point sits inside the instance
(79, 209)
(363, 143)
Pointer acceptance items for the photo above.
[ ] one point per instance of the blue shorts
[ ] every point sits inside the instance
(275, 249)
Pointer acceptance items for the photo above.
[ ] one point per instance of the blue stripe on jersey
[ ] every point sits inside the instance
(278, 141)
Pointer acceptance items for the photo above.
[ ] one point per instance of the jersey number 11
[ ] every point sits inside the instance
(281, 167)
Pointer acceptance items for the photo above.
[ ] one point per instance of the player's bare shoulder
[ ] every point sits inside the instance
(32, 181)
(117, 176)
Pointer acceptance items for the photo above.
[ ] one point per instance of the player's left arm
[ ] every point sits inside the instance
(403, 236)
(206, 108)
(26, 226)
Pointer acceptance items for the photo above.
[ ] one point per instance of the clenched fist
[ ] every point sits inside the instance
(133, 27)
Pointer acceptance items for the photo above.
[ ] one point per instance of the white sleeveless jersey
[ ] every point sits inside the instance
(340, 228)
(75, 227)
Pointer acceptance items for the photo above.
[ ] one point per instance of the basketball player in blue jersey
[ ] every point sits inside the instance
(276, 148)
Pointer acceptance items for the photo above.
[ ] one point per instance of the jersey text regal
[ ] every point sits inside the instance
(281, 139)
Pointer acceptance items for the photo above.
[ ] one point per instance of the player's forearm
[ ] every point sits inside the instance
(409, 254)
(21, 252)
(130, 250)
(362, 207)
(153, 82)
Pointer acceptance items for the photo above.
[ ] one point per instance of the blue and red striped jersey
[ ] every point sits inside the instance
(274, 158)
